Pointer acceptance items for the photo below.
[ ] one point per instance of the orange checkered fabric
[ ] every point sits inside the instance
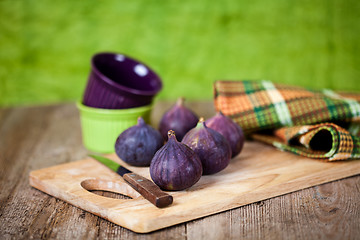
(318, 124)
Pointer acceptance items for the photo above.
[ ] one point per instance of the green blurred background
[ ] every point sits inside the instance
(46, 45)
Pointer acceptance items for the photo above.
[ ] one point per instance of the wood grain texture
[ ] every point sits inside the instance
(32, 135)
(261, 172)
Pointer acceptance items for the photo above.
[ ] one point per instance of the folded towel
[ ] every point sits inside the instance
(317, 124)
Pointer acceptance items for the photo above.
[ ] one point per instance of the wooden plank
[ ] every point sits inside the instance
(29, 136)
(28, 213)
(314, 213)
(261, 172)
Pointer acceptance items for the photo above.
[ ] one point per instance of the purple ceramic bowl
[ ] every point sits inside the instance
(117, 81)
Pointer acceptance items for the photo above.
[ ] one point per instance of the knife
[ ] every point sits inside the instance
(144, 186)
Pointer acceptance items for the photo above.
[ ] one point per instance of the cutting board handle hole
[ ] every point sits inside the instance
(109, 194)
(110, 189)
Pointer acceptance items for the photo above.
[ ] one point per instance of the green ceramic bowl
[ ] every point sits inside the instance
(101, 127)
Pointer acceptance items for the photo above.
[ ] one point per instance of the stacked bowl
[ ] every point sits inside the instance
(119, 90)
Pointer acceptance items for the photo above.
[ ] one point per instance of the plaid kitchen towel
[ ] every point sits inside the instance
(317, 124)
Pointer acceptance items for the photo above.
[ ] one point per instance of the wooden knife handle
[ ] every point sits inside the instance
(148, 190)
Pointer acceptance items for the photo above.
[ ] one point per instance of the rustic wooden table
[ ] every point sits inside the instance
(38, 137)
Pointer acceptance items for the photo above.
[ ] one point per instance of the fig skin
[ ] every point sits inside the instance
(212, 148)
(138, 144)
(178, 118)
(229, 129)
(175, 166)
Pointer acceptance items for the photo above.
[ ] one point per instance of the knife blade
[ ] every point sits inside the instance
(144, 186)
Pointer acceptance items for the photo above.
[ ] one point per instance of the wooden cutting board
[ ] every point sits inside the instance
(259, 172)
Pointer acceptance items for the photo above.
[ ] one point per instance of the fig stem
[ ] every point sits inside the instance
(201, 122)
(171, 133)
(180, 101)
(140, 121)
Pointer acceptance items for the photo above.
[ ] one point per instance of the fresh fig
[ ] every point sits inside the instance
(179, 119)
(212, 148)
(175, 166)
(138, 144)
(229, 129)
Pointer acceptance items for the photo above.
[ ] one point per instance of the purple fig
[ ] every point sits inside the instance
(138, 144)
(175, 166)
(212, 148)
(229, 129)
(179, 119)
